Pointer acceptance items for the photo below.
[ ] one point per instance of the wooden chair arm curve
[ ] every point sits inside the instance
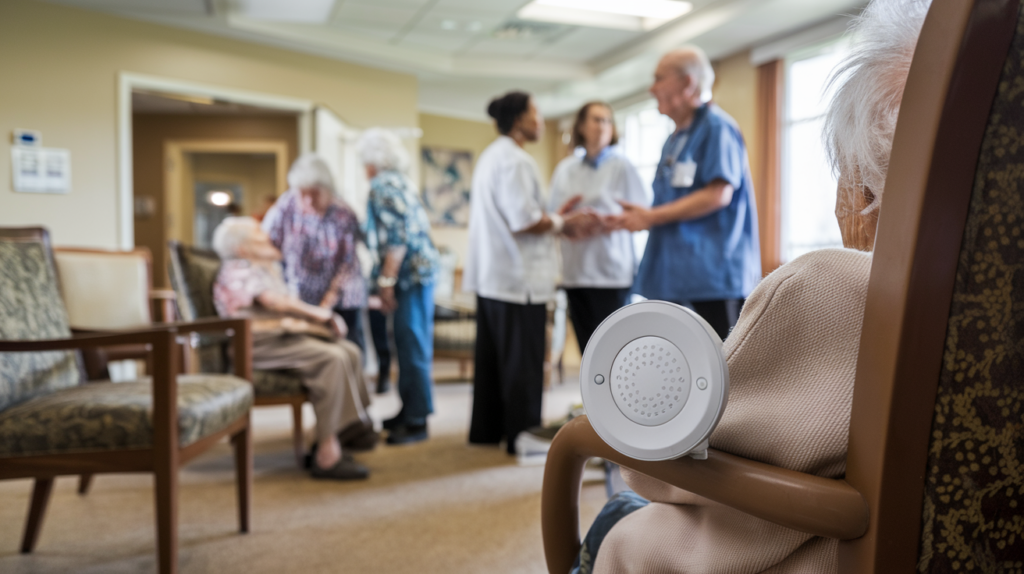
(87, 340)
(811, 504)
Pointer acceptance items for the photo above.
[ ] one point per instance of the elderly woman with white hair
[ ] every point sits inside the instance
(405, 261)
(317, 233)
(291, 334)
(792, 355)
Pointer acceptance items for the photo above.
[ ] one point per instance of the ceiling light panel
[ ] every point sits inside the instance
(303, 11)
(637, 15)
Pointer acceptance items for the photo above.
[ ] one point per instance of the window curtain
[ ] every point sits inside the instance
(768, 186)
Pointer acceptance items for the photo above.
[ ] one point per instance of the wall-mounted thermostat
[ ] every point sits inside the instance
(654, 381)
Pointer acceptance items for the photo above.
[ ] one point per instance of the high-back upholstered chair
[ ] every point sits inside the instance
(193, 272)
(52, 425)
(934, 468)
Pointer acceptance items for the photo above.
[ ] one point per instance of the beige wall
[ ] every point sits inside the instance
(475, 136)
(736, 92)
(59, 75)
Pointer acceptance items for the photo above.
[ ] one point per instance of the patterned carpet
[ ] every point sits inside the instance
(437, 506)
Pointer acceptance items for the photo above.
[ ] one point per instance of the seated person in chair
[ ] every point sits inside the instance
(290, 334)
(792, 356)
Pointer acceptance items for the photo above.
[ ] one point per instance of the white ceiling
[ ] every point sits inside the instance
(465, 51)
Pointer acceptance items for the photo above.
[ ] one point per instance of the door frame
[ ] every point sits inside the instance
(129, 81)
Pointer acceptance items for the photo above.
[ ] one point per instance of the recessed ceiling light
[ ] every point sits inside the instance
(449, 24)
(622, 14)
(304, 11)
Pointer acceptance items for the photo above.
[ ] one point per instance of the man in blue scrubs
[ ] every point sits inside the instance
(703, 249)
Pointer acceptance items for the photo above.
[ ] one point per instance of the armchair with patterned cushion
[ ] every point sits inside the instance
(52, 425)
(934, 474)
(193, 272)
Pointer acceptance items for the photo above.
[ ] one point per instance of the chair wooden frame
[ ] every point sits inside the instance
(166, 455)
(875, 510)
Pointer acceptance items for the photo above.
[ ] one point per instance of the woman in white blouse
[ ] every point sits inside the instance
(512, 267)
(597, 273)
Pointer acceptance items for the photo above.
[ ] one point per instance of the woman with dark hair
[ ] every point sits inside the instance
(512, 268)
(597, 273)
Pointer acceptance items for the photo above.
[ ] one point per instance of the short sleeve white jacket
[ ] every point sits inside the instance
(504, 263)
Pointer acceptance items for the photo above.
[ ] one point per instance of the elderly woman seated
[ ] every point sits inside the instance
(792, 355)
(291, 334)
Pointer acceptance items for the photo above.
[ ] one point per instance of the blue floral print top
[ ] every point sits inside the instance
(396, 218)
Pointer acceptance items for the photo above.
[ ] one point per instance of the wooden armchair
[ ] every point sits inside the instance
(933, 478)
(193, 272)
(52, 425)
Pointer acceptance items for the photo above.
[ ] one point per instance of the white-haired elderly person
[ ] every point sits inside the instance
(792, 355)
(405, 261)
(289, 333)
(317, 234)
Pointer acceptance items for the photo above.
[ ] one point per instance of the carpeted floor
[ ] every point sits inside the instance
(437, 506)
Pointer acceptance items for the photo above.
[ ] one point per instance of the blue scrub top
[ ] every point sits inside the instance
(716, 256)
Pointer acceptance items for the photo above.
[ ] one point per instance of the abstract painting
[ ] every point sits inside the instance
(447, 174)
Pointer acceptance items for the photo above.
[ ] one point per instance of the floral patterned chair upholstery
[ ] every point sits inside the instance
(935, 467)
(51, 424)
(193, 272)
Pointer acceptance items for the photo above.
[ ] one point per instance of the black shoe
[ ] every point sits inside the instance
(393, 423)
(344, 469)
(406, 434)
(358, 436)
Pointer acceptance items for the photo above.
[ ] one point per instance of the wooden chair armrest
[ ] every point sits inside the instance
(811, 504)
(88, 340)
(240, 331)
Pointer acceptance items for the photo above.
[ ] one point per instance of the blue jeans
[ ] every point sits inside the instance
(617, 508)
(414, 345)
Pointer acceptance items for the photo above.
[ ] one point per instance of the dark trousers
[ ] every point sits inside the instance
(508, 371)
(722, 314)
(382, 344)
(354, 322)
(588, 307)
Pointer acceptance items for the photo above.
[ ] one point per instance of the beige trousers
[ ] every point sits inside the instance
(332, 372)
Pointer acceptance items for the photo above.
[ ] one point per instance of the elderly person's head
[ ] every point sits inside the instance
(381, 150)
(861, 119)
(312, 178)
(682, 83)
(516, 116)
(243, 238)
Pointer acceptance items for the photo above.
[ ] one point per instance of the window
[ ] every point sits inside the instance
(808, 185)
(642, 133)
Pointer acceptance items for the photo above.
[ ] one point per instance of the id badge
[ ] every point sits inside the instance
(683, 173)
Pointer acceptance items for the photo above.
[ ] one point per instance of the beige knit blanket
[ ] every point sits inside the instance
(792, 358)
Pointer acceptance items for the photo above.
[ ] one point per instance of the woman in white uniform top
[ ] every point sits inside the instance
(597, 273)
(512, 268)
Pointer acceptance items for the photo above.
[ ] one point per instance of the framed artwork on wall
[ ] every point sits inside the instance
(447, 175)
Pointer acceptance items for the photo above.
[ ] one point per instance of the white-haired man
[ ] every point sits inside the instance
(703, 248)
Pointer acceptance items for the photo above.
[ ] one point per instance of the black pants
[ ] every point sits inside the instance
(508, 371)
(589, 306)
(382, 344)
(722, 314)
(354, 322)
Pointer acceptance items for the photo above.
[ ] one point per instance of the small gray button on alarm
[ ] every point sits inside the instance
(599, 379)
(702, 383)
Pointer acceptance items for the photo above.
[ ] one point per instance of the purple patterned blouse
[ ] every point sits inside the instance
(319, 252)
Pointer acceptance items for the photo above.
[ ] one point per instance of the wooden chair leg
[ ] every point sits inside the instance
(166, 476)
(297, 440)
(243, 475)
(36, 510)
(84, 482)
